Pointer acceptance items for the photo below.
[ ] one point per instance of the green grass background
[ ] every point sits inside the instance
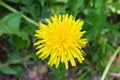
(17, 28)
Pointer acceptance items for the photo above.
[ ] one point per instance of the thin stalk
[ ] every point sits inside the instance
(30, 20)
(15, 61)
(15, 11)
(110, 63)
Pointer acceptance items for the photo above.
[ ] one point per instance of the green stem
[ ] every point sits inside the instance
(110, 63)
(14, 62)
(30, 20)
(15, 11)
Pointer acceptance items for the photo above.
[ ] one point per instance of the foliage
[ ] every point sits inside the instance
(102, 24)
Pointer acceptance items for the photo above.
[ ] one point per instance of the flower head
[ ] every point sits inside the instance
(60, 40)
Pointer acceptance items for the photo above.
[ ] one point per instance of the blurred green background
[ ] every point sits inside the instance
(17, 54)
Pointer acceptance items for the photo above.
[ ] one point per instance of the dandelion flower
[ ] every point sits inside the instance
(60, 40)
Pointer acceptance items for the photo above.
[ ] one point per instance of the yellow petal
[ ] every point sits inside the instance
(38, 42)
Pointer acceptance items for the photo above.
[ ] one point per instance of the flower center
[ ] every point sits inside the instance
(64, 38)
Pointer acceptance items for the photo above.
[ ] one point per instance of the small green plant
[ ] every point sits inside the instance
(20, 18)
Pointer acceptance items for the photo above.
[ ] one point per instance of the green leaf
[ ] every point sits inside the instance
(30, 30)
(18, 42)
(8, 70)
(25, 2)
(116, 5)
(22, 35)
(56, 9)
(13, 56)
(114, 28)
(76, 6)
(109, 47)
(60, 71)
(20, 70)
(15, 1)
(63, 1)
(115, 67)
(98, 3)
(3, 29)
(10, 23)
(42, 2)
(108, 1)
(93, 26)
(58, 1)
(33, 10)
(79, 3)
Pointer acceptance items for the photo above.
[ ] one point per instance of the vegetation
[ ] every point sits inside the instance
(20, 18)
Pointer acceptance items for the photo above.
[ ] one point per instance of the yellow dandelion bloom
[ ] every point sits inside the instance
(60, 40)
